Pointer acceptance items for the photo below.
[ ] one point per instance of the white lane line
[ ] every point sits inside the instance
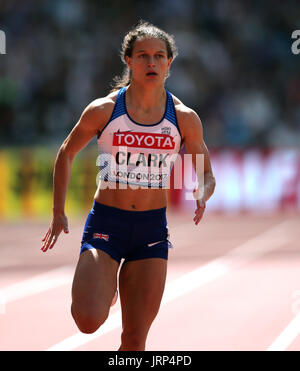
(270, 240)
(37, 284)
(287, 336)
(74, 341)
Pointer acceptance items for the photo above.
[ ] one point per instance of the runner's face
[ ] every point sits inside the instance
(149, 62)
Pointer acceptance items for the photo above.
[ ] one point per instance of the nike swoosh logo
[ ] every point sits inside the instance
(125, 131)
(155, 243)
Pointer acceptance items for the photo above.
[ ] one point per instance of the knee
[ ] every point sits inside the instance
(86, 319)
(133, 340)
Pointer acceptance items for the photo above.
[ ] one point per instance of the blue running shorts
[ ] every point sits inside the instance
(127, 234)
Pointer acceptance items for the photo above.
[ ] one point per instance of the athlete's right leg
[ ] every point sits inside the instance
(94, 286)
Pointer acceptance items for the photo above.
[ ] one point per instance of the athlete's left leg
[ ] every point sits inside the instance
(141, 285)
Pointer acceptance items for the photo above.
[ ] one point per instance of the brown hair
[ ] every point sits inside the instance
(143, 29)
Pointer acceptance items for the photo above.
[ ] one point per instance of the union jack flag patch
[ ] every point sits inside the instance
(101, 235)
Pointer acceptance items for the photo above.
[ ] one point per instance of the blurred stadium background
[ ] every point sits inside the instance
(234, 278)
(235, 68)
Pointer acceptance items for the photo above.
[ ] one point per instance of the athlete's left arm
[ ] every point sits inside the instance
(195, 145)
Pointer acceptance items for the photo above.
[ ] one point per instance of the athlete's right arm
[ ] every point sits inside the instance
(92, 120)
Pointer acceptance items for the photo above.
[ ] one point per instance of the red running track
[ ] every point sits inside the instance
(233, 284)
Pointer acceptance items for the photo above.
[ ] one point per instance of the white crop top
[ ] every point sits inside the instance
(134, 153)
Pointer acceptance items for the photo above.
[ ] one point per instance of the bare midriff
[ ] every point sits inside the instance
(132, 199)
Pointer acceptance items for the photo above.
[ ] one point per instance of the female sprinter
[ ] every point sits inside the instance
(139, 126)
